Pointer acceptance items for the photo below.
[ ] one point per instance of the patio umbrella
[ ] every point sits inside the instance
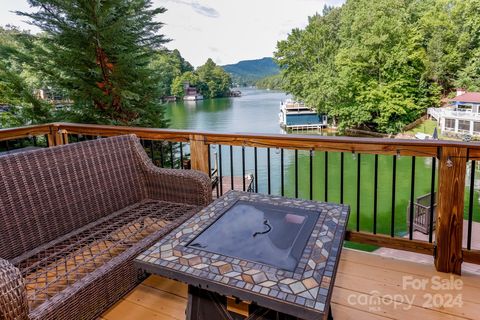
(435, 133)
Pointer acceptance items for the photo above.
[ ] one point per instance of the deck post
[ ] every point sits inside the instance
(64, 136)
(199, 153)
(451, 188)
(54, 137)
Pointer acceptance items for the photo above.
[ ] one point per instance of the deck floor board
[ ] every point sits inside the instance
(360, 274)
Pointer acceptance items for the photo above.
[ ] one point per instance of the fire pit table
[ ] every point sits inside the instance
(254, 256)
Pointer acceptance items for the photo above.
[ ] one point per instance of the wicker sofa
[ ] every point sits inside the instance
(73, 217)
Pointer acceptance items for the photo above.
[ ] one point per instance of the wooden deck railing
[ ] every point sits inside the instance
(448, 180)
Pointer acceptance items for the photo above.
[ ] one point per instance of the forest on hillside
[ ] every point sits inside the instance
(380, 64)
(107, 63)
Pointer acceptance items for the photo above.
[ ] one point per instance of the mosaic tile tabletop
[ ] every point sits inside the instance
(304, 292)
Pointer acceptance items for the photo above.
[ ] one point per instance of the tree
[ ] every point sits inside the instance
(18, 83)
(211, 81)
(100, 53)
(308, 61)
(380, 64)
(169, 65)
(272, 82)
(469, 76)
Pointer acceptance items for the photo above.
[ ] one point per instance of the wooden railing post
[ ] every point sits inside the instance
(64, 136)
(52, 136)
(57, 136)
(199, 153)
(451, 188)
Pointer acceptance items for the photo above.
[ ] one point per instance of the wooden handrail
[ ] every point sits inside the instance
(452, 156)
(24, 132)
(422, 148)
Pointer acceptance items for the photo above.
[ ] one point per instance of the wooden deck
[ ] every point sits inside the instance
(237, 184)
(361, 278)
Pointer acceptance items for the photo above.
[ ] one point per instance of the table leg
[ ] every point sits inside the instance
(206, 305)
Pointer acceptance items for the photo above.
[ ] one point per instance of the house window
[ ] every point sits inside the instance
(450, 124)
(464, 125)
(476, 126)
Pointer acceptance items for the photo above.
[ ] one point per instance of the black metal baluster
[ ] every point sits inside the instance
(217, 187)
(282, 176)
(152, 155)
(470, 205)
(432, 199)
(231, 168)
(171, 155)
(326, 176)
(256, 168)
(243, 167)
(311, 174)
(342, 156)
(34, 139)
(394, 182)
(181, 154)
(161, 154)
(296, 173)
(412, 200)
(358, 191)
(268, 172)
(375, 195)
(7, 145)
(220, 168)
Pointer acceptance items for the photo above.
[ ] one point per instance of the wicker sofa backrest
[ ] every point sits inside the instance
(47, 193)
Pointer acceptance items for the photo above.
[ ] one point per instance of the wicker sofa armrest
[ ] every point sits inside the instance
(13, 297)
(183, 186)
(175, 185)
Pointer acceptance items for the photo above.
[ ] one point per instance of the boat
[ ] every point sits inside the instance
(295, 115)
(235, 93)
(423, 136)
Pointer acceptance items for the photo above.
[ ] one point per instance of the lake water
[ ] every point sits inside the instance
(257, 112)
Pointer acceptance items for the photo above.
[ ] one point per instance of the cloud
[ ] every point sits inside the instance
(199, 8)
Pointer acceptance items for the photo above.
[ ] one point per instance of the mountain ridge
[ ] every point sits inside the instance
(248, 72)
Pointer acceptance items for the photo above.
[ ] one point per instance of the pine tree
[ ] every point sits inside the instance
(100, 53)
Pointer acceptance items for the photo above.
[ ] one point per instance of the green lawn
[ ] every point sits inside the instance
(426, 127)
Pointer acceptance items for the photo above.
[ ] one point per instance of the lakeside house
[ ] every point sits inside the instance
(191, 93)
(461, 116)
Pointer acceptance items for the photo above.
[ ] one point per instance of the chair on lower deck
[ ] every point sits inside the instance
(73, 218)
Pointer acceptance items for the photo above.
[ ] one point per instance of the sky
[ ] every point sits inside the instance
(227, 31)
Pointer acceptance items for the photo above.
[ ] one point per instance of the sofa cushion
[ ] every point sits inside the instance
(56, 266)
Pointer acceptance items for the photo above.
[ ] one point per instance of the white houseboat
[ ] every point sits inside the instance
(296, 116)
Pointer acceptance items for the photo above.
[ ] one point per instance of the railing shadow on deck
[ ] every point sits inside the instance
(376, 177)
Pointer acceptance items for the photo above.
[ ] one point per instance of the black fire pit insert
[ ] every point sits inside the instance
(265, 233)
